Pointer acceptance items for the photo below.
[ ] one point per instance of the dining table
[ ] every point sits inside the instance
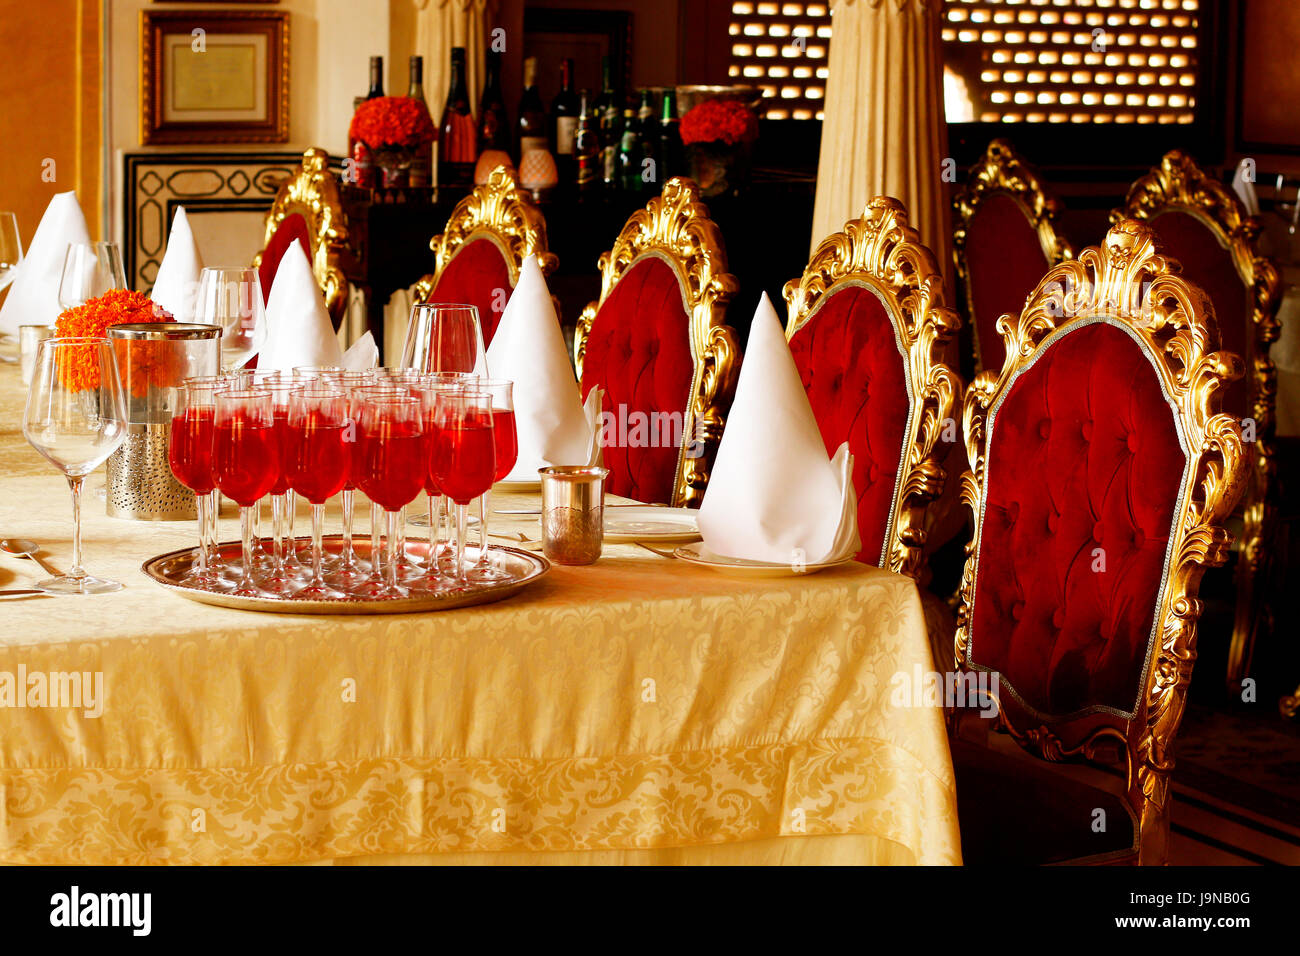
(641, 709)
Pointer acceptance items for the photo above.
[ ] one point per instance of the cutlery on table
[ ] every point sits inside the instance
(662, 554)
(22, 548)
(16, 591)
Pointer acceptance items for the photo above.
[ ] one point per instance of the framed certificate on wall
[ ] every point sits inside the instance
(214, 77)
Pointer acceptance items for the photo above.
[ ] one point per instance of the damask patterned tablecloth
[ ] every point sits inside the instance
(637, 710)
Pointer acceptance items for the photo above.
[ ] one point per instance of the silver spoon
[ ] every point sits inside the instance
(22, 548)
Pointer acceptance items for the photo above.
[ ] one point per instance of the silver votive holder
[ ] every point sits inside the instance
(30, 338)
(153, 359)
(573, 512)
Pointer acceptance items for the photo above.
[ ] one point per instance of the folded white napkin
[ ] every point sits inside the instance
(34, 295)
(299, 331)
(362, 355)
(555, 428)
(774, 495)
(1243, 184)
(177, 284)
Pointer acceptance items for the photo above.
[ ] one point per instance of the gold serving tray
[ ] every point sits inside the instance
(524, 568)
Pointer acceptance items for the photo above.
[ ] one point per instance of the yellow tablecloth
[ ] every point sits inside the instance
(638, 710)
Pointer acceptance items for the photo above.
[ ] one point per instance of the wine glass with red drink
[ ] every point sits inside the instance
(358, 397)
(465, 457)
(319, 466)
(505, 439)
(190, 456)
(246, 463)
(391, 454)
(281, 578)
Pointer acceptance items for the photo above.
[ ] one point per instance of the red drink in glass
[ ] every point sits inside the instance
(506, 441)
(246, 459)
(283, 440)
(471, 459)
(320, 462)
(190, 453)
(392, 458)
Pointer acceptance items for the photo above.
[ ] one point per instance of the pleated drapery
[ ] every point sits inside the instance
(441, 25)
(884, 131)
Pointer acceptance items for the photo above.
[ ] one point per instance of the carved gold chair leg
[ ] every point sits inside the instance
(1249, 612)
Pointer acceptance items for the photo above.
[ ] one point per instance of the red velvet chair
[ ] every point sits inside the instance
(307, 209)
(1203, 225)
(477, 258)
(1102, 472)
(867, 329)
(656, 342)
(1004, 240)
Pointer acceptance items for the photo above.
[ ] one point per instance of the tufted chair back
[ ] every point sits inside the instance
(477, 257)
(656, 342)
(308, 209)
(867, 329)
(1101, 474)
(1203, 225)
(1005, 239)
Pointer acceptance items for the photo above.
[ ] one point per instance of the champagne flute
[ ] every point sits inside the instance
(505, 440)
(75, 417)
(89, 269)
(391, 454)
(246, 460)
(319, 465)
(444, 338)
(232, 300)
(190, 456)
(465, 459)
(11, 248)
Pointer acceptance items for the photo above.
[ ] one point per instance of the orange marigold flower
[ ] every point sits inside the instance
(388, 121)
(115, 307)
(719, 121)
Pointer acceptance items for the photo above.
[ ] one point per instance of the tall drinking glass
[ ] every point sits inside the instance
(505, 440)
(319, 465)
(90, 269)
(281, 579)
(391, 451)
(465, 458)
(75, 417)
(444, 338)
(11, 248)
(246, 460)
(232, 299)
(190, 456)
(359, 397)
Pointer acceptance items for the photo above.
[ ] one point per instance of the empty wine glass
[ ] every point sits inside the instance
(232, 300)
(89, 269)
(11, 248)
(75, 417)
(444, 338)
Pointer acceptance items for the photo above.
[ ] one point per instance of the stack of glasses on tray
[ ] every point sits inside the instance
(316, 432)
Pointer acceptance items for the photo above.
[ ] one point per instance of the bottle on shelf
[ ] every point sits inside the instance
(564, 113)
(376, 82)
(493, 125)
(458, 136)
(648, 134)
(586, 148)
(629, 155)
(531, 124)
(672, 155)
(609, 126)
(421, 174)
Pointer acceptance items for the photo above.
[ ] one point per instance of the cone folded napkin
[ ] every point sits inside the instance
(554, 426)
(774, 495)
(362, 355)
(177, 285)
(34, 296)
(299, 331)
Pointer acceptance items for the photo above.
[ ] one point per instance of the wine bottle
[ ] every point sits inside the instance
(671, 152)
(607, 121)
(531, 124)
(493, 125)
(648, 136)
(421, 174)
(458, 137)
(564, 113)
(586, 148)
(629, 155)
(376, 82)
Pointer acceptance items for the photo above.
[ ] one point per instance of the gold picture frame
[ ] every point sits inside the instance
(214, 77)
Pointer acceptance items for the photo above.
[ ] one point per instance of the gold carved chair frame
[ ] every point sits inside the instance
(497, 211)
(1001, 170)
(1127, 283)
(881, 251)
(1179, 185)
(676, 228)
(312, 191)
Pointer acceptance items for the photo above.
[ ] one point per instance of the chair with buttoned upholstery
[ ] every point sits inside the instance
(1203, 225)
(308, 209)
(658, 344)
(478, 256)
(867, 330)
(1102, 471)
(1004, 239)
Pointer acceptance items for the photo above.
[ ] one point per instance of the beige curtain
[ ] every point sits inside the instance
(441, 25)
(884, 131)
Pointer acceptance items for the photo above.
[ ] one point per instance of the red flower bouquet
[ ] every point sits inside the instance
(388, 122)
(719, 121)
(115, 307)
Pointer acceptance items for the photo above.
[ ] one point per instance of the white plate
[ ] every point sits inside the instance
(739, 567)
(517, 487)
(661, 525)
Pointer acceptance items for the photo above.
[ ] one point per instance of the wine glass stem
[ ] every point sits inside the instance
(483, 509)
(434, 535)
(317, 558)
(77, 570)
(246, 535)
(348, 500)
(214, 536)
(277, 530)
(461, 511)
(201, 511)
(394, 550)
(290, 506)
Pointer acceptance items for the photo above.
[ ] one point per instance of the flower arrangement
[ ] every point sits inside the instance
(388, 122)
(115, 307)
(719, 121)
